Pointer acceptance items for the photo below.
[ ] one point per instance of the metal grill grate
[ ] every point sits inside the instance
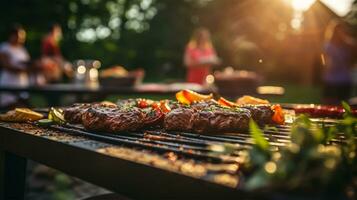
(188, 145)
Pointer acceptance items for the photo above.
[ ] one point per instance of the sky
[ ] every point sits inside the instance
(341, 7)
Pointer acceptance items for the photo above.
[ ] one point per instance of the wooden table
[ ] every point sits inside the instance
(124, 170)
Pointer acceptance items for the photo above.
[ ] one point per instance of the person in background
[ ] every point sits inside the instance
(50, 43)
(52, 60)
(200, 56)
(14, 62)
(338, 50)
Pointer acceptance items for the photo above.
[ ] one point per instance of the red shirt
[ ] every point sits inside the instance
(197, 73)
(50, 47)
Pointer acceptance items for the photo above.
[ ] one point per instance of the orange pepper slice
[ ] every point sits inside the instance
(278, 116)
(251, 100)
(224, 102)
(189, 96)
(181, 98)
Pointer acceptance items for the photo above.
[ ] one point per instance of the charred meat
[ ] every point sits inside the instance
(207, 120)
(113, 120)
(207, 116)
(74, 113)
(262, 114)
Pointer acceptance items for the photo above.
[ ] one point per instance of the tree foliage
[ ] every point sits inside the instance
(152, 34)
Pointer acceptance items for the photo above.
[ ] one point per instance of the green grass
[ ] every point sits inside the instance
(299, 94)
(293, 94)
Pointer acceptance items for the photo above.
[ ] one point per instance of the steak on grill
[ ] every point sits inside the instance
(113, 120)
(207, 120)
(261, 114)
(74, 113)
(200, 117)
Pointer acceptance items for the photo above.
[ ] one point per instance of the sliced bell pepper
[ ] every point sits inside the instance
(278, 116)
(162, 106)
(251, 100)
(189, 96)
(181, 98)
(224, 102)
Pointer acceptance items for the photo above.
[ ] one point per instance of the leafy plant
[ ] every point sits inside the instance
(317, 160)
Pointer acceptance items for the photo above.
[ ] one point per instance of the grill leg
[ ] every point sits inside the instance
(12, 176)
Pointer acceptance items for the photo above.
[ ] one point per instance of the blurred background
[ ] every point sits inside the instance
(282, 40)
(305, 47)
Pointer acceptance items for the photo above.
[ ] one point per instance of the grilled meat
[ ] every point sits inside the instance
(74, 113)
(262, 114)
(152, 117)
(180, 119)
(113, 120)
(200, 117)
(127, 102)
(207, 120)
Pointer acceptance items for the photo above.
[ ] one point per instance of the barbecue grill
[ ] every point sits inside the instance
(149, 163)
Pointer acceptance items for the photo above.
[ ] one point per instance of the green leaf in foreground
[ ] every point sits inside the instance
(312, 162)
(258, 136)
(346, 107)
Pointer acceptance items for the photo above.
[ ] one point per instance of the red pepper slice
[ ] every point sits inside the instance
(278, 116)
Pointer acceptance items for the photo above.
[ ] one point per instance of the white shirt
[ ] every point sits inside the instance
(17, 56)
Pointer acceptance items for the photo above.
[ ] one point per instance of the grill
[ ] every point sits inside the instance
(206, 165)
(190, 146)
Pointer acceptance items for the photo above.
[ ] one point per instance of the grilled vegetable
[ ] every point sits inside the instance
(224, 102)
(189, 96)
(45, 122)
(144, 103)
(278, 116)
(56, 115)
(251, 100)
(162, 106)
(21, 115)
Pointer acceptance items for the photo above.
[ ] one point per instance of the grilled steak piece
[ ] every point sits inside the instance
(113, 119)
(180, 119)
(152, 117)
(204, 104)
(218, 119)
(261, 114)
(127, 102)
(74, 113)
(207, 120)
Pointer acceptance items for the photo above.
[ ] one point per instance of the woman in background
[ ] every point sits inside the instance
(52, 60)
(14, 61)
(199, 56)
(338, 49)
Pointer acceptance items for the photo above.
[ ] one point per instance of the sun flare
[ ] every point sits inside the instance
(301, 5)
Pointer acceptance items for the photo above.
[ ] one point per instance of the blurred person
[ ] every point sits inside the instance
(338, 50)
(50, 43)
(200, 56)
(53, 63)
(14, 61)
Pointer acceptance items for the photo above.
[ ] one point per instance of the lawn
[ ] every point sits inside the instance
(299, 94)
(293, 94)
